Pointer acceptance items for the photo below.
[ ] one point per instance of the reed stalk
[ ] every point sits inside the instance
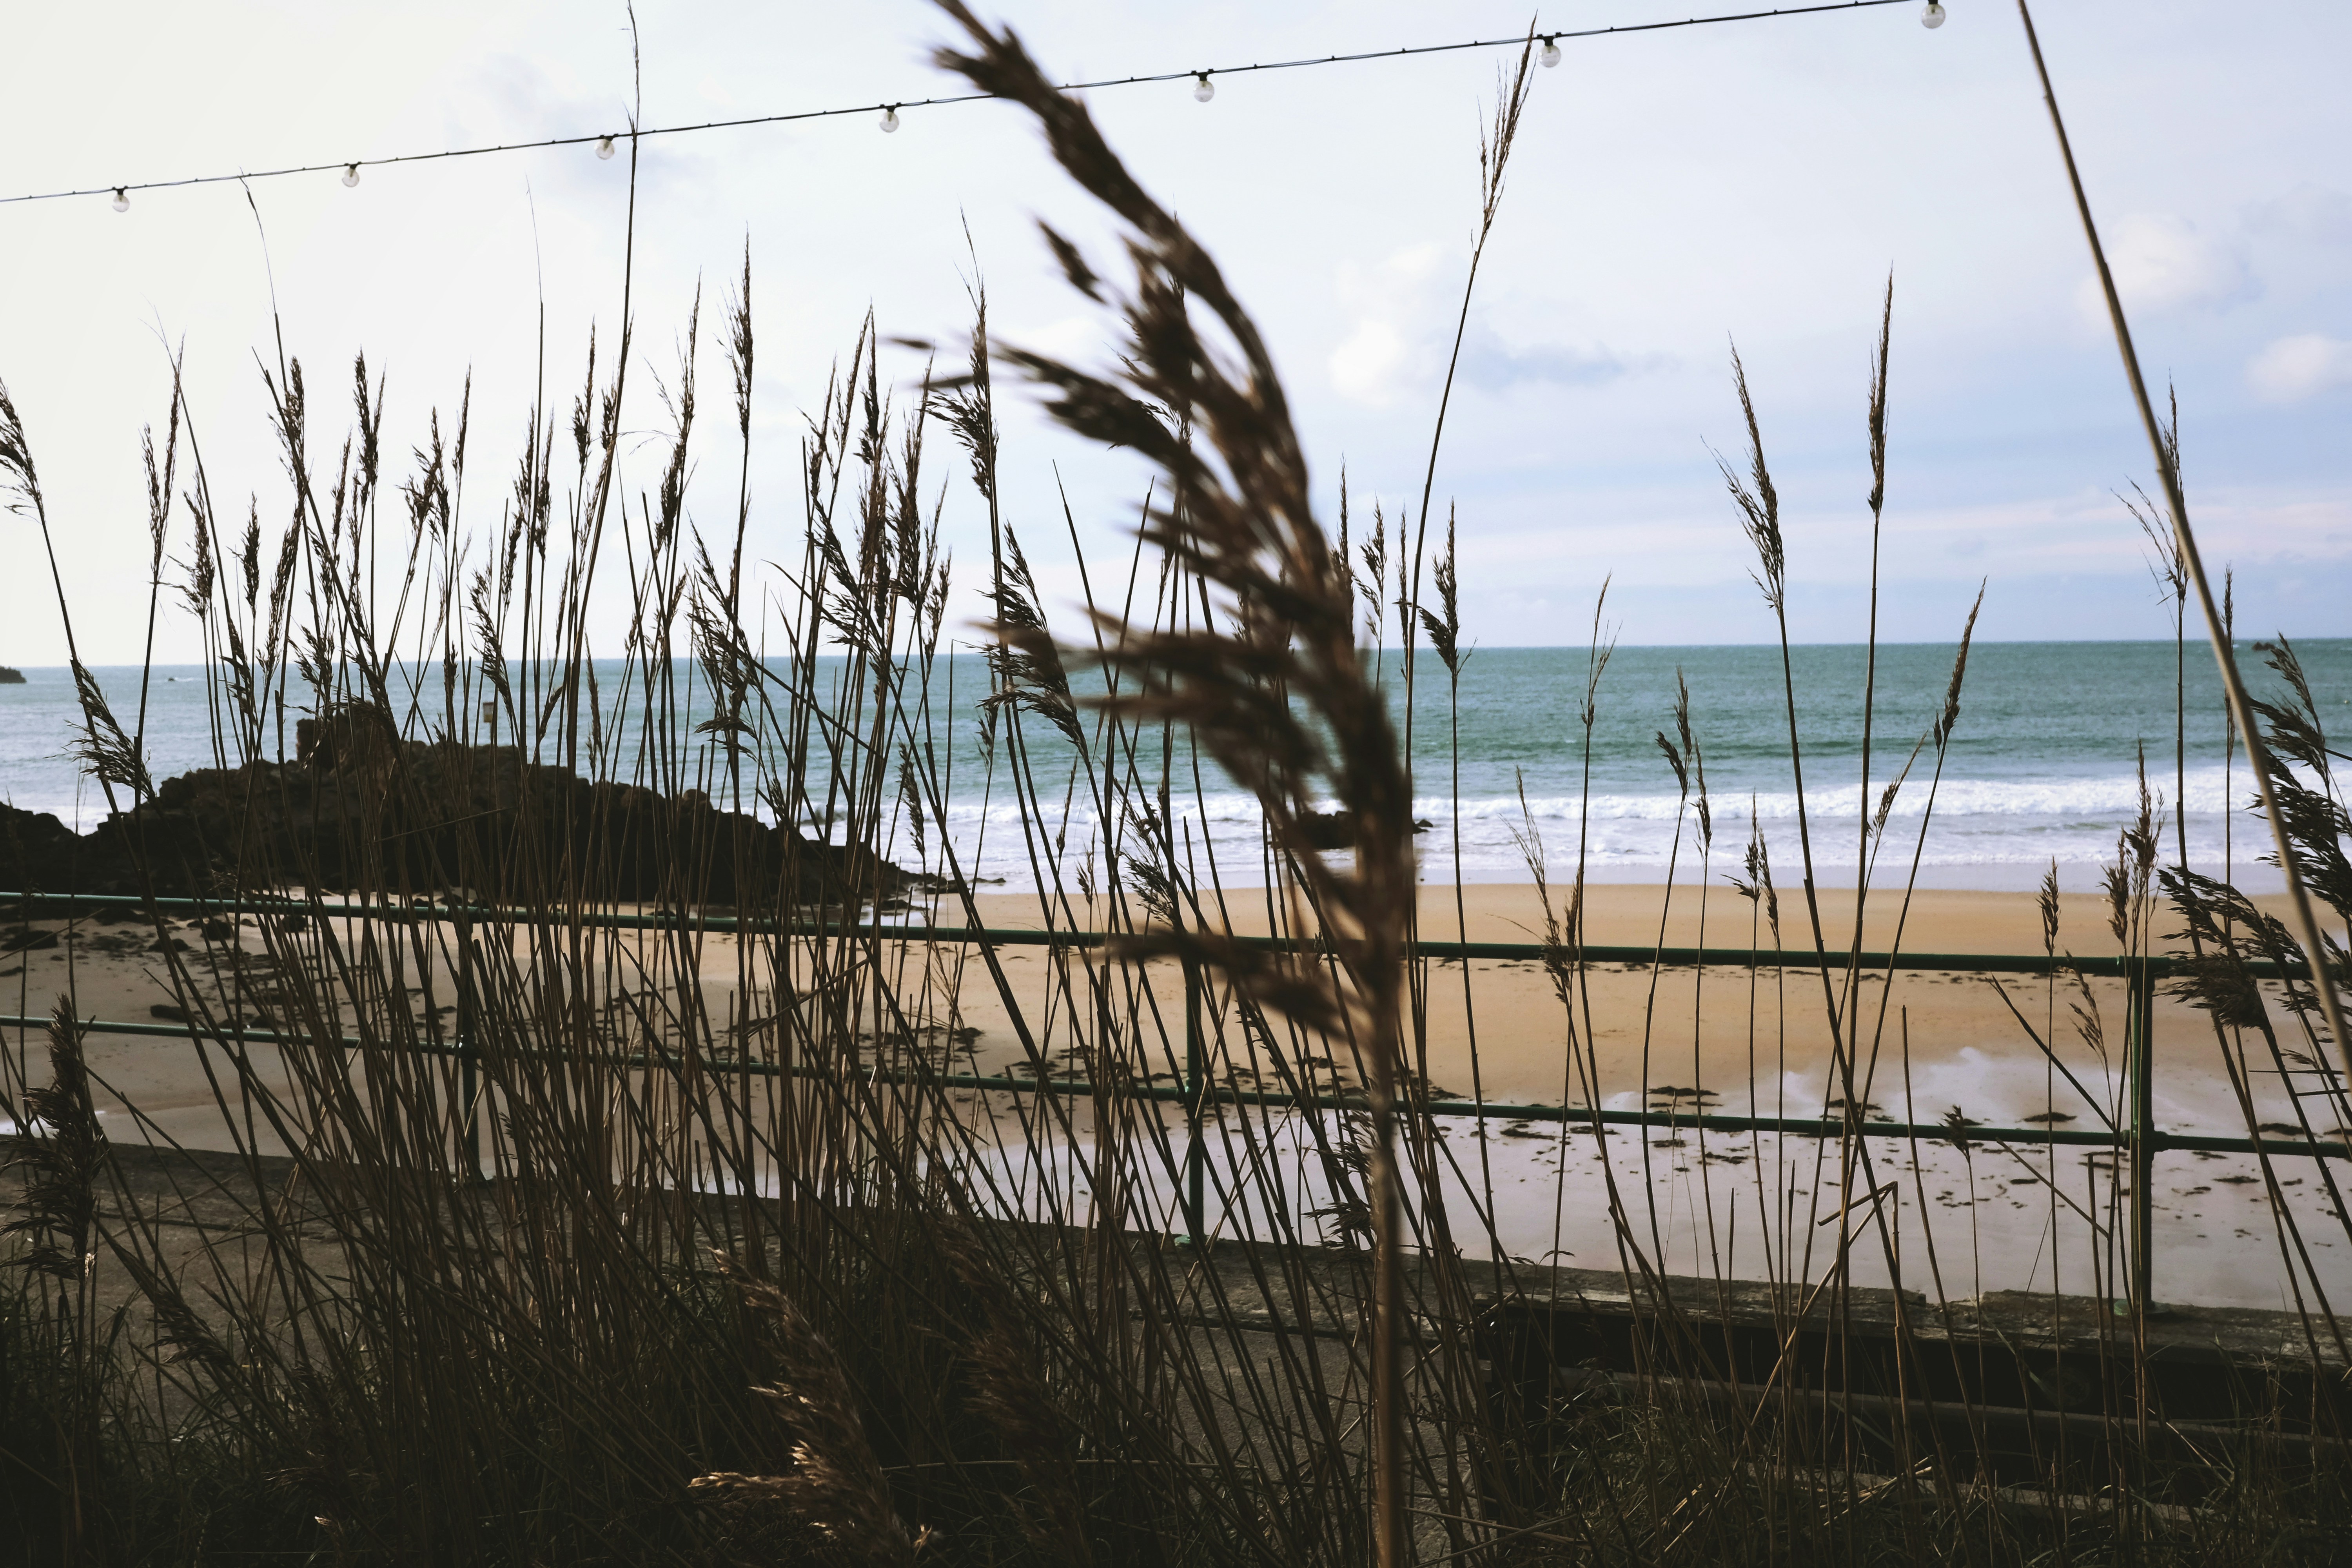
(671, 1168)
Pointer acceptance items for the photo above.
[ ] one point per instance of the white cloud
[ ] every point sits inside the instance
(2293, 369)
(1366, 366)
(2308, 212)
(2163, 263)
(1074, 339)
(1388, 339)
(1494, 365)
(1400, 329)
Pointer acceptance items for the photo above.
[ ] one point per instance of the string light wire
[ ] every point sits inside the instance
(603, 139)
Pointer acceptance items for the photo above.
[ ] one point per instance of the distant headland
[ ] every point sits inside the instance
(11, 677)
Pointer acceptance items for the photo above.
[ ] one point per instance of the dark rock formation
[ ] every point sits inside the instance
(361, 810)
(10, 676)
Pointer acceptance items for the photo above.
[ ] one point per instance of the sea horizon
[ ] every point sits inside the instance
(2044, 763)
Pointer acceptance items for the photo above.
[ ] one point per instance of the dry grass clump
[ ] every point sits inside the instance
(596, 1040)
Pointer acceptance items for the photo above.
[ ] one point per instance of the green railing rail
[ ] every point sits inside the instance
(1824, 1126)
(2156, 967)
(2140, 1137)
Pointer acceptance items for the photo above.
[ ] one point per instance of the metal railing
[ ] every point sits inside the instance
(1198, 1090)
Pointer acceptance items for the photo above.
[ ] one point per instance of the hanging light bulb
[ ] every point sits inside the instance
(1551, 55)
(350, 173)
(121, 199)
(603, 146)
(889, 118)
(1933, 17)
(1203, 88)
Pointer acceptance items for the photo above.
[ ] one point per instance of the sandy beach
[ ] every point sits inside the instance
(1751, 1041)
(1924, 1214)
(1730, 1028)
(1746, 1042)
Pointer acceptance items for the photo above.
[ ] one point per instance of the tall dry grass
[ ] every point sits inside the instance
(637, 1204)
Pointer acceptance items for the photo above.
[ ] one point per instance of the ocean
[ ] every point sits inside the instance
(2044, 763)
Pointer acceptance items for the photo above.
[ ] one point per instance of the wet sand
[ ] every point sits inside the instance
(1758, 1040)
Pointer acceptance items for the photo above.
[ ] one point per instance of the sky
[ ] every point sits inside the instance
(1672, 193)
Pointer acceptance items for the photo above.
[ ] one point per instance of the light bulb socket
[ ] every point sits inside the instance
(603, 146)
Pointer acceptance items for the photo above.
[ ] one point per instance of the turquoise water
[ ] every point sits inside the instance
(2042, 762)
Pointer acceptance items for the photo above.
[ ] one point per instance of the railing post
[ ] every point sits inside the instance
(1196, 1228)
(2139, 1056)
(469, 1129)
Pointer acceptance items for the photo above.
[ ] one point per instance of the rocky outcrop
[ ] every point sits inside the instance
(360, 809)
